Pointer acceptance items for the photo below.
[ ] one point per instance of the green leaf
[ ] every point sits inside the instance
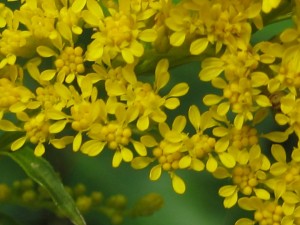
(38, 169)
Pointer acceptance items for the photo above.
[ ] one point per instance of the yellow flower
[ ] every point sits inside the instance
(241, 86)
(147, 101)
(246, 176)
(37, 132)
(286, 175)
(290, 106)
(287, 72)
(13, 97)
(266, 212)
(167, 152)
(119, 34)
(39, 21)
(199, 145)
(69, 64)
(115, 134)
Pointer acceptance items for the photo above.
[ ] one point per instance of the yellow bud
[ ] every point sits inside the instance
(84, 203)
(4, 192)
(29, 196)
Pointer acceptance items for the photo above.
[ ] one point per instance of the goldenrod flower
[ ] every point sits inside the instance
(37, 132)
(69, 64)
(167, 152)
(146, 99)
(266, 212)
(290, 113)
(246, 176)
(241, 86)
(39, 21)
(119, 34)
(115, 134)
(287, 72)
(199, 145)
(13, 97)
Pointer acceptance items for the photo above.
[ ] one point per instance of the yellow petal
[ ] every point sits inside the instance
(185, 162)
(172, 103)
(278, 153)
(127, 55)
(127, 155)
(222, 144)
(227, 159)
(95, 8)
(276, 136)
(245, 221)
(178, 184)
(194, 117)
(212, 99)
(177, 38)
(263, 101)
(162, 75)
(179, 123)
(148, 141)
(143, 123)
(230, 201)
(45, 51)
(136, 49)
(211, 164)
(223, 108)
(7, 125)
(148, 35)
(39, 149)
(140, 162)
(179, 90)
(155, 172)
(58, 126)
(65, 31)
(262, 194)
(198, 46)
(93, 147)
(77, 142)
(209, 73)
(48, 75)
(17, 144)
(227, 190)
(78, 5)
(117, 159)
(139, 148)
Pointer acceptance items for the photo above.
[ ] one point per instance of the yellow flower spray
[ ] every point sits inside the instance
(71, 77)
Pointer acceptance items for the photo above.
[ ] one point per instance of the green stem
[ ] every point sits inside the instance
(176, 56)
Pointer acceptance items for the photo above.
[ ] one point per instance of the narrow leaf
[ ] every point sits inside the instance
(38, 169)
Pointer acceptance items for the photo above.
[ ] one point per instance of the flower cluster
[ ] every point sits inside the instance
(71, 74)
